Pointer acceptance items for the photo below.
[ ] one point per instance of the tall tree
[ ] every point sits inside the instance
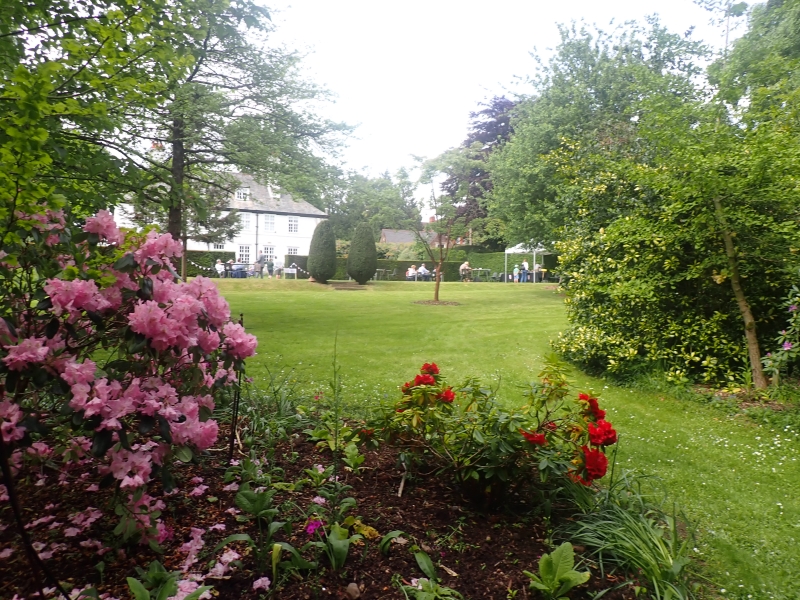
(384, 202)
(241, 106)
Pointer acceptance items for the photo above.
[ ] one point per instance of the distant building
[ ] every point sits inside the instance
(397, 236)
(272, 223)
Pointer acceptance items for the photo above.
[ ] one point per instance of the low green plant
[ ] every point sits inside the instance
(352, 457)
(426, 589)
(256, 506)
(159, 584)
(557, 574)
(335, 544)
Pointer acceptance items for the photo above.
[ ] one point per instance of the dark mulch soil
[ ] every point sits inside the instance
(486, 552)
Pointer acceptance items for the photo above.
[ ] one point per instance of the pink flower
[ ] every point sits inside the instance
(217, 527)
(313, 525)
(192, 547)
(787, 345)
(261, 584)
(6, 552)
(10, 415)
(104, 226)
(159, 248)
(30, 350)
(319, 500)
(239, 344)
(199, 490)
(231, 487)
(75, 296)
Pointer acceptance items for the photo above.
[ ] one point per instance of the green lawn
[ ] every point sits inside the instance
(738, 481)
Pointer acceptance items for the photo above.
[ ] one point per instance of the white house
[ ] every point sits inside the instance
(272, 223)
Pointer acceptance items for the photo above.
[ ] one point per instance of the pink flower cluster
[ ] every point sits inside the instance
(104, 226)
(193, 547)
(165, 387)
(10, 416)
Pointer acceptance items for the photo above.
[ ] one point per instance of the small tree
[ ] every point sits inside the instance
(322, 254)
(363, 258)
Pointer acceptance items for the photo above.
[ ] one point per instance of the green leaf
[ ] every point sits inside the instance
(184, 454)
(426, 564)
(386, 541)
(137, 589)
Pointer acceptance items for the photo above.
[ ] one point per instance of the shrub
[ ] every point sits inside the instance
(168, 349)
(486, 448)
(363, 258)
(322, 253)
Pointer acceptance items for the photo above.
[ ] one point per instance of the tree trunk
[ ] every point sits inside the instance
(753, 350)
(438, 281)
(175, 215)
(183, 259)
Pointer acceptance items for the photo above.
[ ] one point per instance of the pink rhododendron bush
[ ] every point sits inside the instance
(109, 363)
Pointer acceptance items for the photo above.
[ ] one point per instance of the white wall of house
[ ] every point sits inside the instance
(276, 235)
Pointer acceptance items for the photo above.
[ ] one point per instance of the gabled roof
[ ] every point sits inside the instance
(262, 200)
(398, 236)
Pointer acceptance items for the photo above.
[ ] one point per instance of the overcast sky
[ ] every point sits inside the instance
(409, 73)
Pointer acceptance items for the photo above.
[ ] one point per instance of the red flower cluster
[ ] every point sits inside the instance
(537, 439)
(594, 407)
(447, 396)
(424, 380)
(595, 462)
(430, 369)
(602, 434)
(406, 386)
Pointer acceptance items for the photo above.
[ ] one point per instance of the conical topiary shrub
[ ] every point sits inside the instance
(322, 254)
(363, 258)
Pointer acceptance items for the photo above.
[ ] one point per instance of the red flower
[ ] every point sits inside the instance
(537, 439)
(602, 434)
(594, 407)
(406, 386)
(551, 426)
(577, 478)
(424, 380)
(430, 369)
(400, 410)
(595, 462)
(447, 396)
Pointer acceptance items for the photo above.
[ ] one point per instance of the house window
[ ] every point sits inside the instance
(244, 254)
(245, 221)
(269, 223)
(219, 246)
(294, 224)
(243, 193)
(291, 251)
(269, 252)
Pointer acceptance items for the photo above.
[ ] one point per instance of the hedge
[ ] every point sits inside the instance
(401, 266)
(204, 258)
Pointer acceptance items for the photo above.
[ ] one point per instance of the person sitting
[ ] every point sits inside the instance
(424, 272)
(411, 273)
(465, 271)
(229, 268)
(220, 268)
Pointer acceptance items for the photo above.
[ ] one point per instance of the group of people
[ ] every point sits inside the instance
(524, 274)
(229, 269)
(413, 273)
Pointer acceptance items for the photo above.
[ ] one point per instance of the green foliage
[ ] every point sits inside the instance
(428, 589)
(322, 253)
(623, 526)
(159, 584)
(363, 258)
(385, 202)
(488, 449)
(556, 573)
(783, 360)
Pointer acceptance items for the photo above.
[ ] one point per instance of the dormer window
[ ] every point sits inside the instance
(243, 193)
